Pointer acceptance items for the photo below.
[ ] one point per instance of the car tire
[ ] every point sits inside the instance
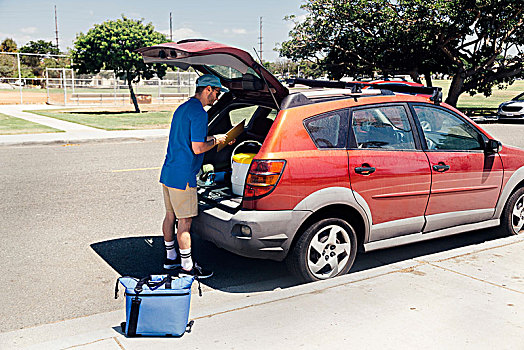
(326, 249)
(512, 220)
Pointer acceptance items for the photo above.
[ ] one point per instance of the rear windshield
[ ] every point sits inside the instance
(228, 73)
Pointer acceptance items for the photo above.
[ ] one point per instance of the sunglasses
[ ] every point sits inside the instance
(217, 92)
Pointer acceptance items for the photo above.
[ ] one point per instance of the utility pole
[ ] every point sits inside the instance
(170, 27)
(56, 29)
(260, 41)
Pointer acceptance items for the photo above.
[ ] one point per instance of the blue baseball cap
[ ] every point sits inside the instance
(210, 80)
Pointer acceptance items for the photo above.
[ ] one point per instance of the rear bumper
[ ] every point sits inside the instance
(271, 231)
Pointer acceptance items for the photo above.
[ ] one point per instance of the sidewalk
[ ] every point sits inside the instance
(74, 133)
(467, 298)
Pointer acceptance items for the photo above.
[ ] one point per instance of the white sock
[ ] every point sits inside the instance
(186, 261)
(170, 250)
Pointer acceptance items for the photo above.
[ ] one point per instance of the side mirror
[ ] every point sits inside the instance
(493, 146)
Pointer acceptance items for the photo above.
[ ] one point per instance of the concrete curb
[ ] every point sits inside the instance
(103, 329)
(66, 141)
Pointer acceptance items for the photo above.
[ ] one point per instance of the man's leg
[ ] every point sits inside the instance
(168, 229)
(184, 242)
(185, 206)
(168, 226)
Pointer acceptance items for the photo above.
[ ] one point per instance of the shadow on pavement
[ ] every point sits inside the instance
(392, 255)
(142, 256)
(510, 121)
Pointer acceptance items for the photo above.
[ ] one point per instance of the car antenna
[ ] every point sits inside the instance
(263, 78)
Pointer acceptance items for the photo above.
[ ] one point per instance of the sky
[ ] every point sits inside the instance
(232, 22)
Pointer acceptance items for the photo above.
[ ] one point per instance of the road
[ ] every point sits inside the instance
(75, 217)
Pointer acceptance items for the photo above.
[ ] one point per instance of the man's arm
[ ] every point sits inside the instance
(211, 141)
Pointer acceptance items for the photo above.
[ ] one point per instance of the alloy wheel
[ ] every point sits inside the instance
(328, 252)
(517, 215)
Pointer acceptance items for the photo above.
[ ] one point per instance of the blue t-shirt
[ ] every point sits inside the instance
(181, 166)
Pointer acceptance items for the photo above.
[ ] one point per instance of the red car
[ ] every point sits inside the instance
(338, 169)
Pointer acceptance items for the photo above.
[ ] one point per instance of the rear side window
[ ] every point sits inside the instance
(328, 130)
(385, 127)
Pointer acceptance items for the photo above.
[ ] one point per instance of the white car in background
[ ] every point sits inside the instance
(513, 109)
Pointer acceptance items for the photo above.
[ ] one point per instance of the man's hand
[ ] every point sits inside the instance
(220, 138)
(211, 141)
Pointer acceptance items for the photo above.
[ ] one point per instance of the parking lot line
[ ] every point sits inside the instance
(138, 169)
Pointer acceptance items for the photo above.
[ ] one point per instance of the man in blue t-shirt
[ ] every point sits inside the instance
(188, 141)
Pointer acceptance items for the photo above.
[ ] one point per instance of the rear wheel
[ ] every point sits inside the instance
(326, 249)
(512, 220)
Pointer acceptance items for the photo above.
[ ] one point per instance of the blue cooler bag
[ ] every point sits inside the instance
(156, 305)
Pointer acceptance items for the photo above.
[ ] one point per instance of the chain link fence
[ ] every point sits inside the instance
(22, 77)
(39, 79)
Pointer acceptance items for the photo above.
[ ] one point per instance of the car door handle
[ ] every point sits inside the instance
(441, 167)
(365, 170)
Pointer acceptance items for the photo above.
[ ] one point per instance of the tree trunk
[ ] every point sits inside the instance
(415, 76)
(427, 77)
(455, 89)
(133, 97)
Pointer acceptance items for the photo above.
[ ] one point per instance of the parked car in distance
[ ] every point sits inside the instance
(513, 109)
(336, 168)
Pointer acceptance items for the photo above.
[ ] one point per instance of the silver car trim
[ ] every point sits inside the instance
(275, 237)
(442, 220)
(272, 249)
(362, 203)
(513, 181)
(418, 237)
(337, 195)
(396, 228)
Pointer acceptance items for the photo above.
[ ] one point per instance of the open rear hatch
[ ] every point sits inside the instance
(237, 70)
(250, 85)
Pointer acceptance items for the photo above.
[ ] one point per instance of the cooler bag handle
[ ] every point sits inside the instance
(117, 283)
(153, 285)
(146, 280)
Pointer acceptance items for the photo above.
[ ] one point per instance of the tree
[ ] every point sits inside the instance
(41, 47)
(112, 44)
(471, 40)
(8, 45)
(281, 67)
(8, 66)
(37, 64)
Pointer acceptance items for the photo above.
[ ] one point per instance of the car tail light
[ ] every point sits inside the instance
(262, 177)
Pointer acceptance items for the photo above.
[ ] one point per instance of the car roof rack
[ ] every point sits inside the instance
(356, 87)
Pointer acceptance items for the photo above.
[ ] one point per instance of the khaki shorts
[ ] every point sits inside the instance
(182, 202)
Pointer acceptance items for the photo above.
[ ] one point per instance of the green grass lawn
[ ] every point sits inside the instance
(479, 100)
(113, 120)
(11, 126)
